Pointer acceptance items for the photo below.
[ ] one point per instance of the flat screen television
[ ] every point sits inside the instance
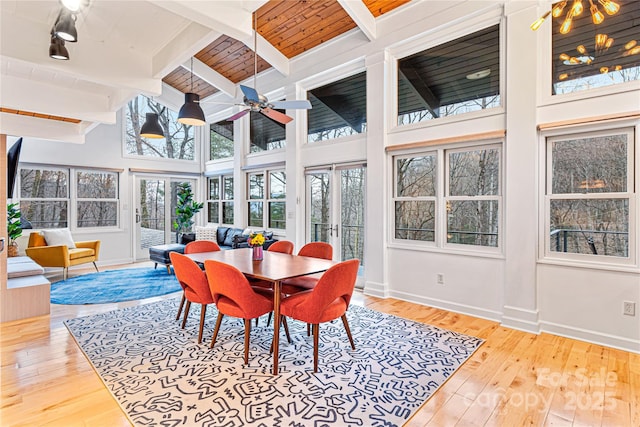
(13, 157)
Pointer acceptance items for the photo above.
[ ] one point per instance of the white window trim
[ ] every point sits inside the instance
(545, 255)
(76, 199)
(266, 199)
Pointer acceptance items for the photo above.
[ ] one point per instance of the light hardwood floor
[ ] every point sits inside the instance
(514, 378)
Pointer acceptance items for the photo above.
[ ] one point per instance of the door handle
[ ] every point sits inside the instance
(1, 244)
(137, 216)
(336, 230)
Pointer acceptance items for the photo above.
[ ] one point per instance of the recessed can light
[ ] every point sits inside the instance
(479, 74)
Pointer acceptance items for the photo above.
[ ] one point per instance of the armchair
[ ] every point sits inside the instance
(62, 255)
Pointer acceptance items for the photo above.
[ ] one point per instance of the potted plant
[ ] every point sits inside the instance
(14, 228)
(186, 208)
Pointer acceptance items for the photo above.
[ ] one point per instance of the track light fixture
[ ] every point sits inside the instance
(191, 113)
(57, 49)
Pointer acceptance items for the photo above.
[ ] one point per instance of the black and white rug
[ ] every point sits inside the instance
(160, 375)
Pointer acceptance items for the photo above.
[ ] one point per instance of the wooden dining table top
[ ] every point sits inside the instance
(274, 267)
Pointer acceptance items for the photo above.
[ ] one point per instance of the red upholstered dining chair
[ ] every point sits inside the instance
(304, 283)
(194, 284)
(192, 248)
(328, 300)
(282, 246)
(234, 297)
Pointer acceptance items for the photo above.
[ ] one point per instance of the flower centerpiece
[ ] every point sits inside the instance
(256, 240)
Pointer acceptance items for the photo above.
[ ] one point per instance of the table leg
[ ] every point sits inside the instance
(276, 324)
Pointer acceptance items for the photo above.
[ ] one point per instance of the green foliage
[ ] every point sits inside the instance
(186, 208)
(14, 229)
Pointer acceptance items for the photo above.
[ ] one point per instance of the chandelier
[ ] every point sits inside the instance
(610, 7)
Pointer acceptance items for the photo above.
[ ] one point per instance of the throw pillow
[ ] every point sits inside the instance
(59, 237)
(206, 233)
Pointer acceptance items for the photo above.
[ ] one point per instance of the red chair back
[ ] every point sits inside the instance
(232, 293)
(317, 250)
(282, 246)
(191, 278)
(201, 246)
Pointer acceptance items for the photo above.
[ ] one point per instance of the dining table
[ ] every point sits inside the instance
(274, 267)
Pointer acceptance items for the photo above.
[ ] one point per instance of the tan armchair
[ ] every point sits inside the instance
(61, 255)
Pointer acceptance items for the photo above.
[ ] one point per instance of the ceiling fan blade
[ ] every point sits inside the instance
(302, 104)
(238, 115)
(250, 93)
(276, 115)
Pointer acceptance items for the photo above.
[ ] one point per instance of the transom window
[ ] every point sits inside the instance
(589, 190)
(456, 77)
(221, 140)
(449, 196)
(338, 109)
(178, 143)
(272, 196)
(220, 200)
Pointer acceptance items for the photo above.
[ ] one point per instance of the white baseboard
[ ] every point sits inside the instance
(447, 305)
(521, 319)
(608, 340)
(375, 289)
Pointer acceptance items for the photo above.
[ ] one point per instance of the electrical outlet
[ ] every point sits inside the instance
(440, 278)
(629, 308)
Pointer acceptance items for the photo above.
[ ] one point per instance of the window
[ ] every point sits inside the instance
(49, 200)
(588, 57)
(97, 201)
(588, 193)
(221, 140)
(457, 77)
(178, 142)
(338, 109)
(272, 197)
(266, 134)
(470, 204)
(220, 204)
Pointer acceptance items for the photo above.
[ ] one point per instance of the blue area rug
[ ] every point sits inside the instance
(114, 286)
(161, 376)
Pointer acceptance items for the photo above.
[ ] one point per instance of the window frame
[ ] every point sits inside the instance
(440, 244)
(266, 198)
(547, 139)
(222, 199)
(78, 199)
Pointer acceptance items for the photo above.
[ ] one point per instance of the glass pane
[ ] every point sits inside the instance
(256, 214)
(319, 213)
(152, 196)
(453, 78)
(416, 176)
(415, 220)
(473, 222)
(474, 173)
(352, 213)
(590, 226)
(590, 165)
(97, 214)
(266, 134)
(256, 186)
(43, 214)
(43, 184)
(227, 212)
(97, 185)
(228, 189)
(213, 212)
(338, 109)
(214, 188)
(277, 215)
(591, 56)
(221, 140)
(277, 185)
(178, 142)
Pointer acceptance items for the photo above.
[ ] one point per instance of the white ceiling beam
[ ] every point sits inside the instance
(269, 53)
(33, 127)
(46, 98)
(361, 16)
(227, 17)
(190, 41)
(211, 76)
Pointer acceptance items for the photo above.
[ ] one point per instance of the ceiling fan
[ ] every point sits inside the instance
(259, 103)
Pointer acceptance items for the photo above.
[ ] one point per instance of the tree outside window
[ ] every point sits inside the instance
(178, 143)
(221, 140)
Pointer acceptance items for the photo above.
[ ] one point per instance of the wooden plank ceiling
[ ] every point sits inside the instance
(292, 27)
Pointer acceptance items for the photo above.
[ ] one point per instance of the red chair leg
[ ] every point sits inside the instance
(181, 305)
(247, 339)
(216, 329)
(346, 328)
(316, 339)
(186, 313)
(203, 312)
(286, 328)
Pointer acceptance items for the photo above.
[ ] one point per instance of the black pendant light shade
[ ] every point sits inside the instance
(57, 49)
(191, 113)
(151, 127)
(65, 27)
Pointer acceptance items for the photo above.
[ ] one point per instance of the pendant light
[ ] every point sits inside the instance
(57, 49)
(151, 127)
(65, 26)
(191, 113)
